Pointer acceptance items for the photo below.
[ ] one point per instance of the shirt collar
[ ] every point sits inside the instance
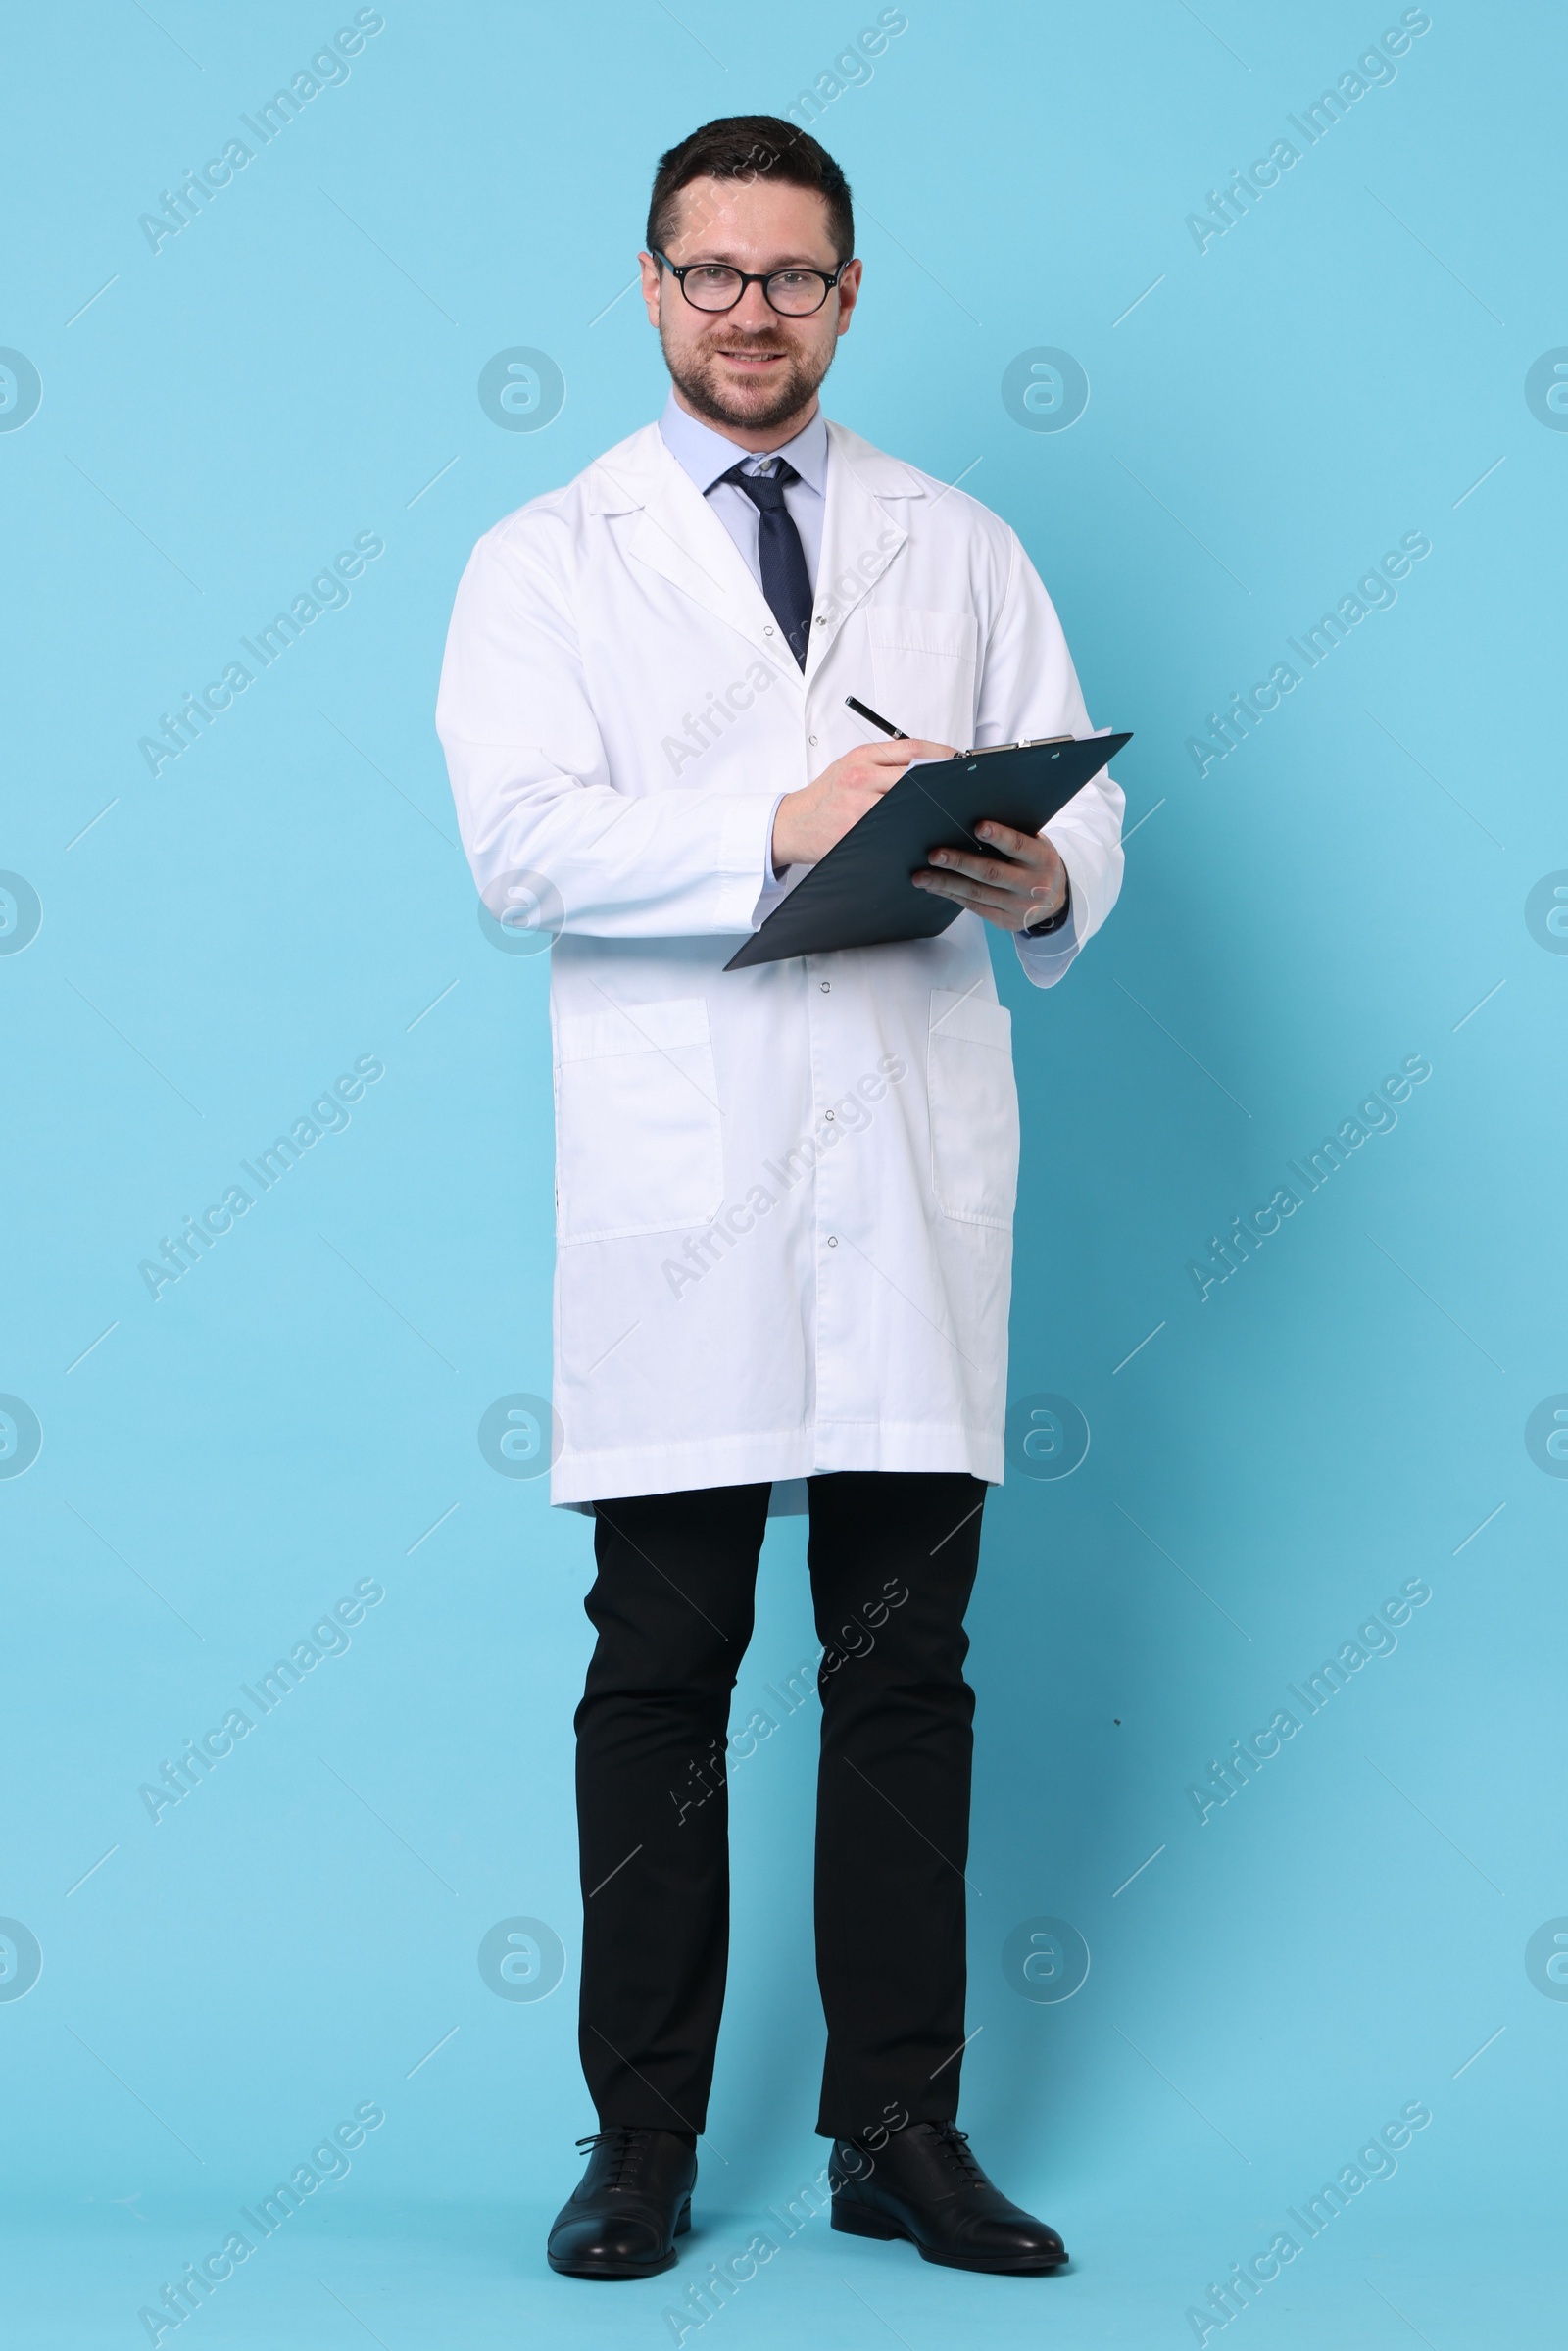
(707, 455)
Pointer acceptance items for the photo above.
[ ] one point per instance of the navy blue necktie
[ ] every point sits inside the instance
(785, 581)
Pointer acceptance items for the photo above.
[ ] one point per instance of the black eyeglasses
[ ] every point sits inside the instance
(716, 287)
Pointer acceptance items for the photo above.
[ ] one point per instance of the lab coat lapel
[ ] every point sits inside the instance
(678, 535)
(862, 531)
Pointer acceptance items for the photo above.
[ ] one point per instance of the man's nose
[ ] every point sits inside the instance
(754, 309)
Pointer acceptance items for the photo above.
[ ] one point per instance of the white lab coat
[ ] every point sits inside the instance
(784, 1195)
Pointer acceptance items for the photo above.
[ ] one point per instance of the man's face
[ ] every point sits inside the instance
(748, 368)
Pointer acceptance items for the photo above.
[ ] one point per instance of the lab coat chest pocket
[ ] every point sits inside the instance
(974, 1108)
(924, 667)
(639, 1140)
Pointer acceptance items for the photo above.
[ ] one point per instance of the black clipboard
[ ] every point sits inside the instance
(862, 893)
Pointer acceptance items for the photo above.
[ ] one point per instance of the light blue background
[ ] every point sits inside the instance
(1340, 368)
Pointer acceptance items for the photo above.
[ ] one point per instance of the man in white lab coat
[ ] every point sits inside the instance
(784, 1195)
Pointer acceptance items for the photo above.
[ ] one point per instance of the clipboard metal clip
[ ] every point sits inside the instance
(1032, 743)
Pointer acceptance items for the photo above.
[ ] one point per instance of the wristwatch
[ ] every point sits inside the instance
(1052, 922)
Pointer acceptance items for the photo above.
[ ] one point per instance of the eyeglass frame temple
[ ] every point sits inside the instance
(679, 272)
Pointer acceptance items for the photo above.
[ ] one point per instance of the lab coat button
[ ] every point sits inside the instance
(832, 1241)
(826, 987)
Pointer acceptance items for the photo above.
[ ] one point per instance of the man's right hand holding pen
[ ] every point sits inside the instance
(807, 823)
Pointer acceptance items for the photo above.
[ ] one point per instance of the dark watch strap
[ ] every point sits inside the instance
(1043, 930)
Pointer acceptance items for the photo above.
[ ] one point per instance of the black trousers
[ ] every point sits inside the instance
(891, 1561)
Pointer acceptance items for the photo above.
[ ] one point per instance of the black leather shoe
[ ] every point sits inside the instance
(632, 2202)
(926, 2185)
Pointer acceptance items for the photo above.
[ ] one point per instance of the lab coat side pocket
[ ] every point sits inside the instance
(974, 1108)
(639, 1138)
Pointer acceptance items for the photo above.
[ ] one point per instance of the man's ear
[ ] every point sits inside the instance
(849, 294)
(652, 274)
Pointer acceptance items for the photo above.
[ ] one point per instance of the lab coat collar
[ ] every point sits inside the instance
(625, 476)
(679, 536)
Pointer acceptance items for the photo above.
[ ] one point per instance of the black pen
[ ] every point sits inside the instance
(896, 732)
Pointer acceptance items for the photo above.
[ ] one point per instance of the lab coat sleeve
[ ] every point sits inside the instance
(530, 776)
(1028, 687)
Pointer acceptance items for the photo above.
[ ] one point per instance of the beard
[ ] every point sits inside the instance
(784, 391)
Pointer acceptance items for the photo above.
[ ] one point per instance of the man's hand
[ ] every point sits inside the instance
(1026, 879)
(807, 823)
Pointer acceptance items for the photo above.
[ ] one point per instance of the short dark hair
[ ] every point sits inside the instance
(744, 147)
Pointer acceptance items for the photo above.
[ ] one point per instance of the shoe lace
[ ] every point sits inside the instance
(627, 2144)
(954, 2145)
